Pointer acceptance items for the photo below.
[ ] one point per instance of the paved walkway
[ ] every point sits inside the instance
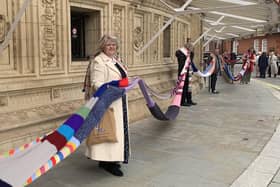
(273, 147)
(209, 145)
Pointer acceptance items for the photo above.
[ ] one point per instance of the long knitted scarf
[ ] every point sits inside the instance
(22, 167)
(230, 76)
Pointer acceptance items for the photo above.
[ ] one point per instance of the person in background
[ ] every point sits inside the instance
(105, 67)
(249, 60)
(233, 59)
(256, 65)
(226, 56)
(182, 55)
(263, 64)
(278, 62)
(219, 62)
(273, 64)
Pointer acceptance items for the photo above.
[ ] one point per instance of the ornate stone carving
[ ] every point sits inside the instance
(48, 33)
(156, 27)
(117, 22)
(138, 32)
(138, 38)
(2, 28)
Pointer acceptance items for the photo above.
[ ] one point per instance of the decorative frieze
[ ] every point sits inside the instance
(48, 34)
(138, 37)
(36, 97)
(26, 117)
(29, 98)
(2, 28)
(156, 46)
(67, 93)
(118, 27)
(138, 32)
(117, 22)
(7, 62)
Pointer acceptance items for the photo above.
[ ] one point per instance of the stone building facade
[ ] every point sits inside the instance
(42, 70)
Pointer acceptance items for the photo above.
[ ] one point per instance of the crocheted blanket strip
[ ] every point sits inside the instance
(206, 73)
(66, 139)
(90, 122)
(229, 74)
(53, 142)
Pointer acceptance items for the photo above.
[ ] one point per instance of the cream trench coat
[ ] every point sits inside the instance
(103, 70)
(273, 64)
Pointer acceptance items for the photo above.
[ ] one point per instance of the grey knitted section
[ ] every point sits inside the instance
(104, 101)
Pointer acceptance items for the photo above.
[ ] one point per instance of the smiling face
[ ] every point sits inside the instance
(110, 48)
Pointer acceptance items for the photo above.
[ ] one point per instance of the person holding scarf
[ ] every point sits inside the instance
(249, 60)
(218, 60)
(106, 67)
(182, 55)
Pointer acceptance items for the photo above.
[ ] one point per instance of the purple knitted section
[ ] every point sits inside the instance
(75, 122)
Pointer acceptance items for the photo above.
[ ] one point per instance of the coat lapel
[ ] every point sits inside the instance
(109, 63)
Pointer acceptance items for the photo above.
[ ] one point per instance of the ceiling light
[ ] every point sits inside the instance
(255, 26)
(238, 17)
(231, 34)
(240, 2)
(221, 38)
(220, 29)
(211, 21)
(243, 28)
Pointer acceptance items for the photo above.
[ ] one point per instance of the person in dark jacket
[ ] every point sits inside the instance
(263, 63)
(219, 62)
(182, 55)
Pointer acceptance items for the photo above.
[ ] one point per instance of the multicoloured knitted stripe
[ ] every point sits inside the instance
(68, 149)
(67, 132)
(56, 139)
(63, 138)
(70, 146)
(19, 149)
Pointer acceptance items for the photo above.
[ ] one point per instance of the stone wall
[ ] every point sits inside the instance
(39, 83)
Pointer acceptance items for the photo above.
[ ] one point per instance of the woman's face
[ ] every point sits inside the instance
(110, 48)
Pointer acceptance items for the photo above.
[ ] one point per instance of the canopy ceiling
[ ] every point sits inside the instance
(237, 18)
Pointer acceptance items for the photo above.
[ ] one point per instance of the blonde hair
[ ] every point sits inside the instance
(104, 40)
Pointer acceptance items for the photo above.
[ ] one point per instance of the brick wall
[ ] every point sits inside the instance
(227, 46)
(273, 42)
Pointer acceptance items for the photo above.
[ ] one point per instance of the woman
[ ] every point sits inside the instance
(249, 59)
(273, 64)
(106, 67)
